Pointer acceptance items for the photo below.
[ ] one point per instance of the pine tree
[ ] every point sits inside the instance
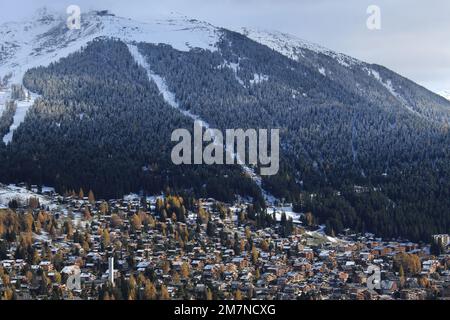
(81, 194)
(91, 197)
(238, 295)
(185, 270)
(255, 255)
(309, 219)
(401, 275)
(209, 295)
(164, 293)
(210, 229)
(136, 222)
(149, 291)
(105, 238)
(264, 245)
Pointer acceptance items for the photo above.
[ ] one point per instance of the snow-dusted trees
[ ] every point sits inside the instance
(102, 125)
(6, 118)
(18, 92)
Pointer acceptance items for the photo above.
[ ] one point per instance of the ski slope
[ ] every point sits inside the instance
(170, 98)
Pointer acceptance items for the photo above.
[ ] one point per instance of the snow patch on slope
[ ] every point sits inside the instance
(259, 78)
(4, 96)
(321, 235)
(288, 211)
(322, 71)
(19, 116)
(445, 94)
(389, 86)
(293, 47)
(235, 68)
(22, 195)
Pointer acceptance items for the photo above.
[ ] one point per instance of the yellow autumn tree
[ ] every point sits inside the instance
(91, 197)
(185, 270)
(164, 293)
(149, 290)
(105, 238)
(255, 254)
(136, 222)
(209, 295)
(81, 194)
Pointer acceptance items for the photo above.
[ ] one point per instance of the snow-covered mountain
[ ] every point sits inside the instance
(46, 38)
(445, 94)
(293, 47)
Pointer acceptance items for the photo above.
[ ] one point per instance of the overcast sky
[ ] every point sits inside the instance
(414, 39)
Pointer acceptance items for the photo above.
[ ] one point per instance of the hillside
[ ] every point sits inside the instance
(361, 146)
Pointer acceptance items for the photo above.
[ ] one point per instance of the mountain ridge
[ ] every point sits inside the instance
(177, 30)
(445, 94)
(47, 38)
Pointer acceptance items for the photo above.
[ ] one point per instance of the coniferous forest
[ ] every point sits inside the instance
(352, 154)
